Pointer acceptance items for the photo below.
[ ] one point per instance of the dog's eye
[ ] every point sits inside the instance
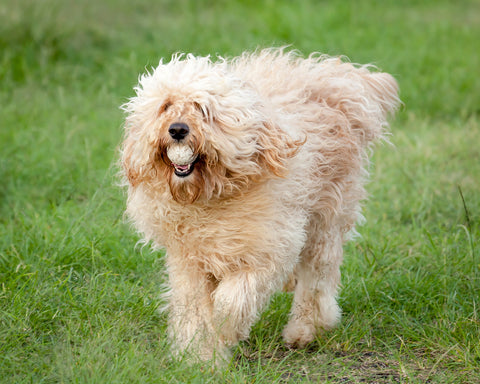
(200, 109)
(165, 107)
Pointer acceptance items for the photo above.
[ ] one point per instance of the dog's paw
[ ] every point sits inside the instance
(202, 351)
(298, 333)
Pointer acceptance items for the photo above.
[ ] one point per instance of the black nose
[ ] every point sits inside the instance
(178, 131)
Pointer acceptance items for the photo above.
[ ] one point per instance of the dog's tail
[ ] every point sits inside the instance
(365, 98)
(363, 95)
(380, 100)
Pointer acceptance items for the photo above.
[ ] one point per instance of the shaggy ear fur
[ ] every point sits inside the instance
(129, 162)
(247, 143)
(137, 159)
(275, 147)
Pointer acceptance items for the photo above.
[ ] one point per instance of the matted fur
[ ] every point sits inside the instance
(281, 144)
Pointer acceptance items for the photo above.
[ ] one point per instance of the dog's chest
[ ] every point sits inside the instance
(220, 238)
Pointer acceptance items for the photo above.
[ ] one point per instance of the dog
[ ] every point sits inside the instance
(249, 172)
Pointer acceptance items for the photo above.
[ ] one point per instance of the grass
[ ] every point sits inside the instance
(78, 300)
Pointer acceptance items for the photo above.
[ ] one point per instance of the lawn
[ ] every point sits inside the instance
(79, 298)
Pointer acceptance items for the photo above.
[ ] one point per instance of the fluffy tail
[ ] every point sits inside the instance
(365, 98)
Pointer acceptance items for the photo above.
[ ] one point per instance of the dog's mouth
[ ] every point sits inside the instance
(183, 170)
(182, 159)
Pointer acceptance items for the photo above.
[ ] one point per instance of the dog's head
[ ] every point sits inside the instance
(197, 127)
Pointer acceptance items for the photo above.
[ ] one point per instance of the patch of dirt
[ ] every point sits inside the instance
(367, 367)
(354, 367)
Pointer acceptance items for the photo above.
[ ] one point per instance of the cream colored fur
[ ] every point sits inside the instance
(281, 145)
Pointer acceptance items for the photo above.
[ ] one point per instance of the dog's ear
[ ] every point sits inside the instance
(137, 160)
(130, 170)
(275, 148)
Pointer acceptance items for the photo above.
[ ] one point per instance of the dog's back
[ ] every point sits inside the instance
(304, 86)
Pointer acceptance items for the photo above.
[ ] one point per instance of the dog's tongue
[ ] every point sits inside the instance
(182, 167)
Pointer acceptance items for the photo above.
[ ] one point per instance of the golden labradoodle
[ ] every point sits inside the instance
(248, 172)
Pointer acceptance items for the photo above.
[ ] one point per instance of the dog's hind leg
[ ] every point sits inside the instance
(314, 306)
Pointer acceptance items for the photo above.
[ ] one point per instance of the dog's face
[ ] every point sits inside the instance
(201, 130)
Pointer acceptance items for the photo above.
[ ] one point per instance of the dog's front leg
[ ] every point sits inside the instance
(190, 316)
(238, 301)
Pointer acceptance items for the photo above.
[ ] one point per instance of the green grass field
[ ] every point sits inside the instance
(78, 298)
